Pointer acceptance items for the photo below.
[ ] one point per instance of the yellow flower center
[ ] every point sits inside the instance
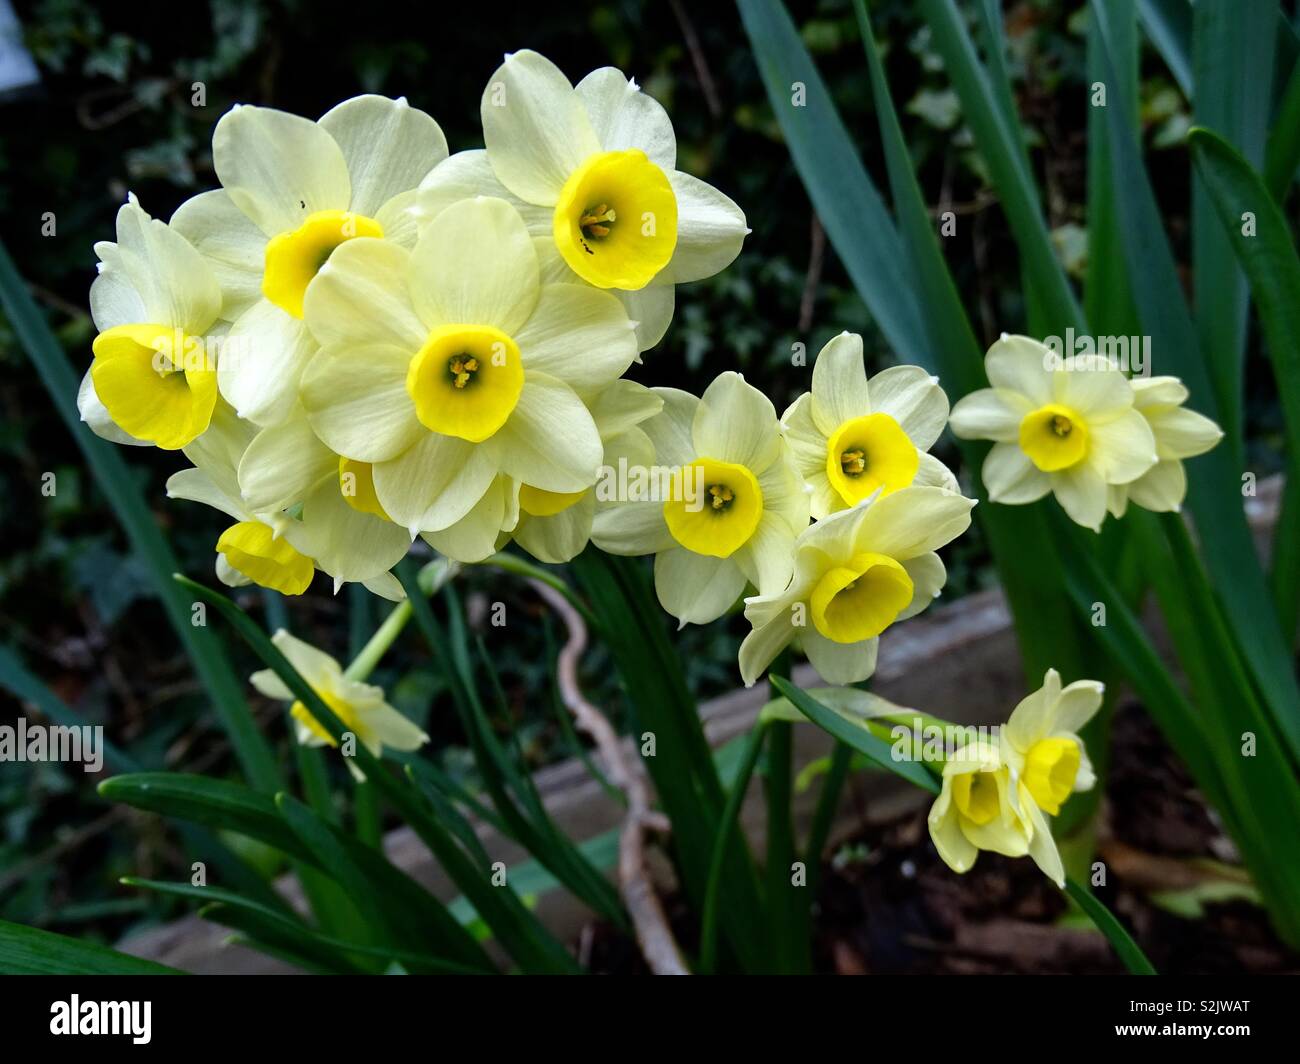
(251, 549)
(357, 484)
(715, 508)
(1050, 770)
(294, 258)
(541, 503)
(341, 709)
(157, 383)
(868, 453)
(465, 381)
(616, 220)
(976, 796)
(860, 599)
(1054, 437)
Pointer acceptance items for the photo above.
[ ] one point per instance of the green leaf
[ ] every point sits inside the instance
(1120, 940)
(30, 951)
(1169, 25)
(214, 669)
(1269, 259)
(1282, 153)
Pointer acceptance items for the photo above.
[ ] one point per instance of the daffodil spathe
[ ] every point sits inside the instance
(450, 364)
(592, 169)
(997, 797)
(1068, 426)
(722, 506)
(155, 303)
(1179, 433)
(851, 437)
(359, 706)
(292, 191)
(856, 573)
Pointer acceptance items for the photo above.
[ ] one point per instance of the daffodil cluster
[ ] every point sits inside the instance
(358, 339)
(1078, 427)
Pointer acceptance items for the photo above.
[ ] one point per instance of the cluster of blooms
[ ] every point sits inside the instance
(359, 339)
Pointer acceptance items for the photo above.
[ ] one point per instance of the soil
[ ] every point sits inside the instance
(889, 906)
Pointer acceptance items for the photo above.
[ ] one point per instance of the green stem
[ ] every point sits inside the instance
(827, 802)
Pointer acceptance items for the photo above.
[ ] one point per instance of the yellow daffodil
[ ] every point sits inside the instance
(1068, 426)
(359, 706)
(851, 437)
(293, 191)
(728, 506)
(1179, 433)
(592, 170)
(451, 364)
(998, 797)
(856, 573)
(155, 304)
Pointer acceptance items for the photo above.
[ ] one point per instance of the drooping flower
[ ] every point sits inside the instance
(359, 706)
(728, 504)
(1179, 433)
(592, 170)
(451, 364)
(1068, 426)
(855, 573)
(294, 190)
(155, 303)
(851, 437)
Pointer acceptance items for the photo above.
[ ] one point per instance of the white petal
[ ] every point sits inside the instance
(356, 400)
(671, 430)
(198, 486)
(839, 386)
(631, 528)
(651, 308)
(388, 145)
(535, 127)
(468, 174)
(990, 414)
(474, 537)
(474, 264)
(435, 483)
(261, 362)
(1020, 364)
(735, 422)
(695, 588)
(1123, 449)
(710, 230)
(549, 440)
(1011, 478)
(622, 117)
(399, 218)
(362, 296)
(1182, 433)
(278, 167)
(234, 247)
(114, 299)
(579, 334)
(1162, 489)
(314, 665)
(762, 645)
(933, 473)
(928, 576)
(839, 663)
(1081, 491)
(767, 559)
(1092, 389)
(343, 541)
(560, 537)
(913, 521)
(913, 398)
(387, 586)
(621, 406)
(282, 464)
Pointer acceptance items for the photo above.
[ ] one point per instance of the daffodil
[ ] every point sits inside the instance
(856, 573)
(360, 707)
(724, 504)
(450, 365)
(997, 797)
(1179, 433)
(1068, 426)
(294, 190)
(851, 437)
(155, 303)
(593, 171)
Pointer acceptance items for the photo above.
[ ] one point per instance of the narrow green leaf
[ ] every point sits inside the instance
(31, 951)
(1120, 940)
(214, 670)
(1282, 153)
(1169, 25)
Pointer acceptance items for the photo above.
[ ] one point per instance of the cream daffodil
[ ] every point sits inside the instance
(294, 190)
(851, 437)
(1040, 742)
(592, 170)
(730, 506)
(360, 707)
(1067, 426)
(1179, 433)
(451, 364)
(855, 573)
(155, 303)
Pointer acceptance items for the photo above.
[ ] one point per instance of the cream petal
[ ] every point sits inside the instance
(314, 665)
(357, 403)
(955, 850)
(1042, 847)
(114, 299)
(762, 645)
(474, 537)
(278, 167)
(388, 145)
(578, 334)
(474, 264)
(386, 586)
(399, 218)
(267, 682)
(1020, 364)
(1123, 449)
(671, 430)
(839, 387)
(281, 465)
(560, 537)
(735, 422)
(96, 416)
(990, 414)
(913, 521)
(549, 440)
(1011, 478)
(435, 483)
(468, 174)
(839, 663)
(1081, 491)
(1182, 433)
(1162, 488)
(710, 230)
(928, 576)
(196, 485)
(262, 361)
(696, 588)
(344, 542)
(535, 127)
(622, 117)
(913, 398)
(621, 406)
(651, 311)
(394, 730)
(361, 296)
(631, 529)
(1076, 705)
(767, 558)
(1158, 391)
(233, 246)
(933, 473)
(1093, 389)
